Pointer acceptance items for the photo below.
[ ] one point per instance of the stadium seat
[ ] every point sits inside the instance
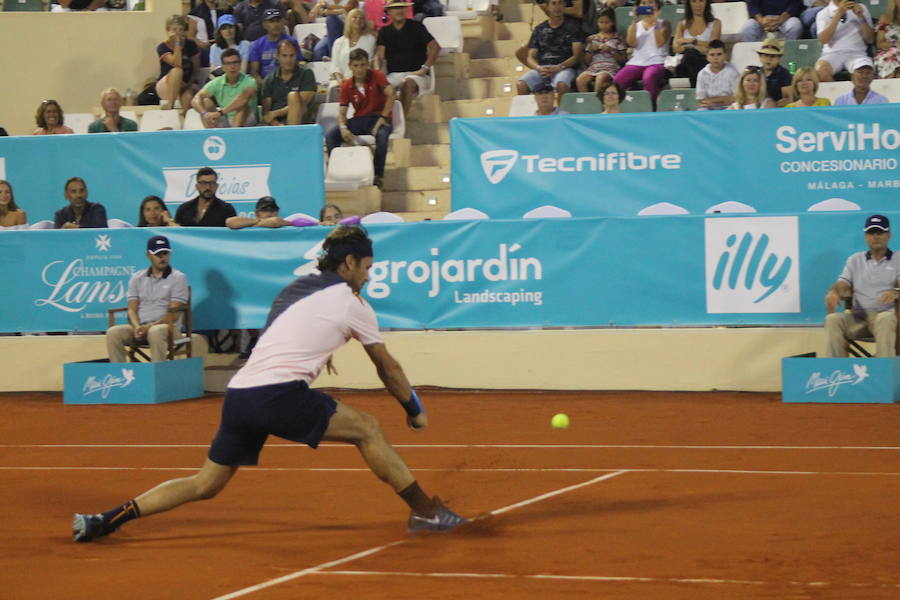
(349, 168)
(23, 6)
(623, 19)
(833, 89)
(743, 55)
(466, 214)
(154, 120)
(467, 9)
(130, 114)
(662, 208)
(547, 211)
(888, 87)
(192, 120)
(803, 53)
(447, 31)
(118, 223)
(833, 204)
(731, 206)
(668, 100)
(733, 16)
(672, 13)
(523, 106)
(637, 101)
(79, 122)
(381, 217)
(327, 115)
(397, 120)
(581, 103)
(876, 7)
(41, 225)
(322, 71)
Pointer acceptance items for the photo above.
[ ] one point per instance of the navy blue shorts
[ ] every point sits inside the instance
(249, 415)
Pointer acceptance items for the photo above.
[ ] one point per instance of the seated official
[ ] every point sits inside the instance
(872, 278)
(266, 216)
(151, 294)
(79, 214)
(229, 100)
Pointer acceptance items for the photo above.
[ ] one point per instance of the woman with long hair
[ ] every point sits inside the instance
(356, 35)
(887, 40)
(50, 119)
(153, 213)
(227, 36)
(751, 92)
(10, 213)
(692, 37)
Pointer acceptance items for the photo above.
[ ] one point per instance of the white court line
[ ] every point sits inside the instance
(468, 446)
(364, 553)
(615, 579)
(469, 470)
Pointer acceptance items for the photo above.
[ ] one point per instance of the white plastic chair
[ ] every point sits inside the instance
(662, 208)
(888, 87)
(743, 55)
(118, 223)
(327, 115)
(192, 120)
(381, 217)
(154, 120)
(466, 10)
(833, 89)
(41, 225)
(130, 114)
(833, 204)
(447, 31)
(398, 121)
(466, 214)
(733, 16)
(731, 206)
(547, 211)
(349, 168)
(304, 29)
(522, 106)
(321, 70)
(79, 122)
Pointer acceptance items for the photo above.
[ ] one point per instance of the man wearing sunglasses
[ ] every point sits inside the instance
(206, 210)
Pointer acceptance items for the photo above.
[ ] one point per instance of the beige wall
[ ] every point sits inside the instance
(746, 359)
(71, 57)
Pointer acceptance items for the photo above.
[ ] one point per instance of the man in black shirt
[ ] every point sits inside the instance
(409, 51)
(80, 213)
(554, 52)
(205, 210)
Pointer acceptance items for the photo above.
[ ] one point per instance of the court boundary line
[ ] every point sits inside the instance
(612, 579)
(312, 570)
(484, 446)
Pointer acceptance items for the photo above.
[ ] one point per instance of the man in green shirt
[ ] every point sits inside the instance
(229, 100)
(288, 91)
(111, 102)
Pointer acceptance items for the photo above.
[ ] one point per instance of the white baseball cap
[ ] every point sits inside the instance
(859, 63)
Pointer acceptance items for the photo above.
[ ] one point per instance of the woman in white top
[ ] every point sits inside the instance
(692, 38)
(356, 35)
(751, 92)
(649, 36)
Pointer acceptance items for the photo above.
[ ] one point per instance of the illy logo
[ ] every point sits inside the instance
(752, 265)
(497, 163)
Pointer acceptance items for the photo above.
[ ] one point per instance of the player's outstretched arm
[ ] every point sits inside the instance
(391, 374)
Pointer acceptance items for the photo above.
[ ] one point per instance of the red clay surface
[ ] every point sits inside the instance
(768, 518)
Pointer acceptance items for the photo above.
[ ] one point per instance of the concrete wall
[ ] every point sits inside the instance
(71, 57)
(746, 359)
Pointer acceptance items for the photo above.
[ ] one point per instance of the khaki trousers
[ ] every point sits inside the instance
(848, 325)
(119, 336)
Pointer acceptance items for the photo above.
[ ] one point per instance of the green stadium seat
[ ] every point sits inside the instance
(669, 99)
(581, 103)
(623, 19)
(803, 53)
(638, 101)
(673, 13)
(876, 7)
(670, 12)
(23, 6)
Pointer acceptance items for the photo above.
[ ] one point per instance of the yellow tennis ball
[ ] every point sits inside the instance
(560, 421)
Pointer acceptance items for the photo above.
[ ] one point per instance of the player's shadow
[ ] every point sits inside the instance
(216, 310)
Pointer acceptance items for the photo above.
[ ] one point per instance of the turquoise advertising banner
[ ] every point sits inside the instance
(120, 169)
(590, 272)
(770, 161)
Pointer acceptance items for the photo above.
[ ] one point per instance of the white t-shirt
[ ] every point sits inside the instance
(713, 85)
(646, 52)
(299, 341)
(340, 53)
(846, 36)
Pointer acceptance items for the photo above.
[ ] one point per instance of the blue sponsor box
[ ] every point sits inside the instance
(103, 382)
(842, 380)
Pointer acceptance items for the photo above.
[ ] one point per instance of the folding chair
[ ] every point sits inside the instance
(175, 345)
(853, 346)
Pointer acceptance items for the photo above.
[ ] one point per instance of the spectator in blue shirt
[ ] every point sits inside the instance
(861, 73)
(264, 51)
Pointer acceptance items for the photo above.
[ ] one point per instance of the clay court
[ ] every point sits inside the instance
(645, 495)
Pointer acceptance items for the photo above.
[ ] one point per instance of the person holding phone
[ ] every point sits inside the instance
(649, 35)
(845, 30)
(179, 59)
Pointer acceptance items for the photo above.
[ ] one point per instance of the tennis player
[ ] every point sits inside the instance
(310, 319)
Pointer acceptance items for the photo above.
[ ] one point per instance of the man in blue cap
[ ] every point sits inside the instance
(872, 278)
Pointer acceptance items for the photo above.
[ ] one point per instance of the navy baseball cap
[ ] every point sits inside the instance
(157, 244)
(877, 222)
(266, 203)
(271, 13)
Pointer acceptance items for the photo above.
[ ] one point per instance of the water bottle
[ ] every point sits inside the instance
(792, 67)
(678, 105)
(470, 5)
(129, 97)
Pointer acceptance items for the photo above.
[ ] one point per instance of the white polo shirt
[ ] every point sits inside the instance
(846, 36)
(310, 319)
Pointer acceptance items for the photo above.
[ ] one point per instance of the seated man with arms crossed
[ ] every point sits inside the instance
(872, 278)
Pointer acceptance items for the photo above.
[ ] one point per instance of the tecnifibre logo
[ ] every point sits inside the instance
(497, 163)
(752, 265)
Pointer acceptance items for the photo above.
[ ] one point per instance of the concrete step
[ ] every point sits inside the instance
(475, 89)
(483, 27)
(419, 201)
(416, 179)
(515, 11)
(357, 202)
(425, 109)
(431, 155)
(489, 107)
(428, 133)
(495, 67)
(481, 48)
(453, 65)
(520, 32)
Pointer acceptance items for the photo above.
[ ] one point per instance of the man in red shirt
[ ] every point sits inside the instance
(373, 101)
